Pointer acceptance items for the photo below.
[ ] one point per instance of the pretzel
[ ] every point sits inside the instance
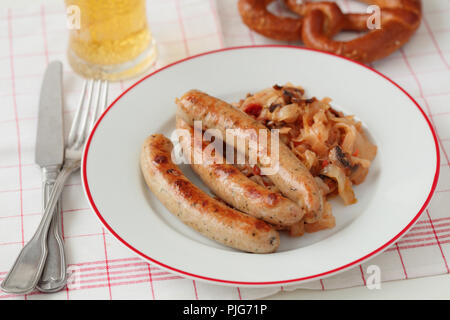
(255, 15)
(318, 22)
(399, 20)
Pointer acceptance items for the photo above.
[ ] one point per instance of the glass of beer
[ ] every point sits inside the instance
(109, 39)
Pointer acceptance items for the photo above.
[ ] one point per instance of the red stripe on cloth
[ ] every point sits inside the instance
(438, 220)
(426, 244)
(439, 244)
(33, 188)
(216, 22)
(16, 116)
(10, 243)
(155, 275)
(441, 114)
(239, 293)
(422, 239)
(34, 14)
(201, 37)
(16, 165)
(422, 72)
(151, 280)
(111, 273)
(438, 94)
(401, 260)
(124, 283)
(111, 267)
(362, 275)
(104, 261)
(25, 215)
(195, 289)
(103, 275)
(181, 25)
(118, 284)
(427, 225)
(439, 11)
(322, 285)
(427, 221)
(112, 279)
(84, 235)
(436, 45)
(120, 275)
(20, 188)
(425, 234)
(106, 264)
(437, 223)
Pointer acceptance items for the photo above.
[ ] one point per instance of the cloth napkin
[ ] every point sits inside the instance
(100, 267)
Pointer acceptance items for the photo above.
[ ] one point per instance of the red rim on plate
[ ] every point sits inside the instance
(327, 273)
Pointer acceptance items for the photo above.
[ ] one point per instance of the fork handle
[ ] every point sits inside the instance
(27, 269)
(54, 275)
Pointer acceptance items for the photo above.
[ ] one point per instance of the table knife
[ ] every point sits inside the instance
(49, 155)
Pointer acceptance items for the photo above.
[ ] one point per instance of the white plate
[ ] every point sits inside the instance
(396, 191)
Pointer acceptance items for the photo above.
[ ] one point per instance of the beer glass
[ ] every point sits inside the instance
(109, 39)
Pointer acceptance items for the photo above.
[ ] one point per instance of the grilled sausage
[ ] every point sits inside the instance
(292, 177)
(232, 186)
(198, 210)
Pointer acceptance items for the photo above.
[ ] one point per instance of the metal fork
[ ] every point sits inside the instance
(28, 267)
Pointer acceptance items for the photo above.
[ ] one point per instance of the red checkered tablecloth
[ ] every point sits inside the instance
(103, 268)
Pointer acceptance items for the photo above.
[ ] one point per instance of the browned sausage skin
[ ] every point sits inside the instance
(292, 177)
(198, 210)
(232, 186)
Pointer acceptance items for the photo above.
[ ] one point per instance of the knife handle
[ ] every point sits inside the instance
(26, 271)
(54, 275)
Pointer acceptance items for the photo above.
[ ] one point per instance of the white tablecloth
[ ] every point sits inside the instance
(31, 37)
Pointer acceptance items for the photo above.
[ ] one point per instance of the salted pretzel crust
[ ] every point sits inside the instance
(255, 15)
(319, 22)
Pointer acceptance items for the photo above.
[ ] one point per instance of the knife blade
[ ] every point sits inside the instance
(49, 155)
(50, 134)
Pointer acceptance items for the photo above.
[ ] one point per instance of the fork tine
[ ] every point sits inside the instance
(96, 106)
(100, 103)
(76, 120)
(105, 96)
(92, 103)
(85, 118)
